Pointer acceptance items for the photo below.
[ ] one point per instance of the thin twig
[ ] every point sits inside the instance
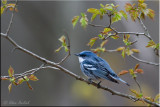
(147, 62)
(97, 25)
(145, 28)
(138, 85)
(11, 20)
(69, 51)
(73, 74)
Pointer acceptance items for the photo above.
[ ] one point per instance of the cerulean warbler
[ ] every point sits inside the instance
(95, 67)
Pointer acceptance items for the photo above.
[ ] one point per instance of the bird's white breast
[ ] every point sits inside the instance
(81, 59)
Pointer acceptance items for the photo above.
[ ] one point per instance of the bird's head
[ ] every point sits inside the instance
(85, 55)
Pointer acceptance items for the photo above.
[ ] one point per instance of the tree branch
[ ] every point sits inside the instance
(74, 75)
(147, 62)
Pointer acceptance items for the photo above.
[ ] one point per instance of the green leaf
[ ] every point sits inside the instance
(151, 44)
(128, 7)
(101, 5)
(115, 37)
(123, 53)
(10, 71)
(101, 36)
(157, 46)
(124, 14)
(83, 20)
(10, 87)
(92, 41)
(106, 30)
(75, 20)
(117, 16)
(66, 49)
(108, 7)
(4, 2)
(93, 17)
(140, 1)
(57, 50)
(26, 78)
(93, 10)
(103, 43)
(2, 10)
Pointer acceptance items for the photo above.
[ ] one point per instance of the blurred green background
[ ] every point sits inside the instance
(37, 27)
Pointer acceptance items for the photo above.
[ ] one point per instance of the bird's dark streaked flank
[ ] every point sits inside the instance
(95, 67)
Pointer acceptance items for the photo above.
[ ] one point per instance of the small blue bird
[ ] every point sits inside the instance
(95, 67)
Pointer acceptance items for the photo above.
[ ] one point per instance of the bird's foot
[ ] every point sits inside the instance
(89, 81)
(98, 85)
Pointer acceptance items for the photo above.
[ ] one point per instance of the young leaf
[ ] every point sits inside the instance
(101, 36)
(117, 16)
(103, 43)
(33, 77)
(108, 7)
(128, 51)
(57, 50)
(62, 39)
(157, 97)
(4, 2)
(137, 65)
(139, 71)
(66, 48)
(135, 92)
(101, 5)
(134, 14)
(10, 87)
(132, 73)
(10, 71)
(123, 53)
(20, 80)
(26, 78)
(75, 20)
(92, 41)
(140, 1)
(123, 14)
(128, 7)
(120, 48)
(83, 20)
(29, 86)
(2, 10)
(135, 50)
(123, 72)
(115, 37)
(93, 10)
(152, 44)
(106, 30)
(151, 14)
(93, 17)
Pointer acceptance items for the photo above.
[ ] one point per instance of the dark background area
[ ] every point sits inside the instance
(37, 27)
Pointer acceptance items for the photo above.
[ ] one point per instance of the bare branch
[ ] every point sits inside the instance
(147, 62)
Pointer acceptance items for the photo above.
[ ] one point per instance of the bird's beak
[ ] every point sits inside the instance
(76, 54)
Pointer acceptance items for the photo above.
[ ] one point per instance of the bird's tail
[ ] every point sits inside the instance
(123, 81)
